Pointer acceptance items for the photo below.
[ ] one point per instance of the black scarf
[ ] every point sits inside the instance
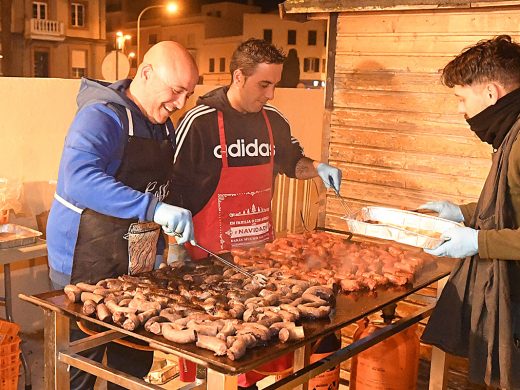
(492, 124)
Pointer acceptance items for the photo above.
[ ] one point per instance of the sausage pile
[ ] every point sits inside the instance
(208, 304)
(328, 259)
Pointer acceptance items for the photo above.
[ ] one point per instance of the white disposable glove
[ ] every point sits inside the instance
(460, 242)
(330, 175)
(175, 221)
(446, 210)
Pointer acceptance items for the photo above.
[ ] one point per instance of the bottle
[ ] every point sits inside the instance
(391, 364)
(328, 380)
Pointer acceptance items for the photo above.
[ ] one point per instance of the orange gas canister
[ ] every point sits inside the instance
(328, 380)
(392, 364)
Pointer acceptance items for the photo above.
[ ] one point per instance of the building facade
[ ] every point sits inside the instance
(213, 34)
(57, 38)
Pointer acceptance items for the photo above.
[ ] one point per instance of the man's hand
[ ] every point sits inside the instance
(446, 210)
(460, 243)
(330, 175)
(175, 221)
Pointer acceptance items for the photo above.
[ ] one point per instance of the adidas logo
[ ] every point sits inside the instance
(241, 149)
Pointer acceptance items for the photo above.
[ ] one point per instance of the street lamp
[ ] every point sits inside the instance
(120, 45)
(170, 7)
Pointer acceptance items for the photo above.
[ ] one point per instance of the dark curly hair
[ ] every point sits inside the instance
(496, 59)
(252, 52)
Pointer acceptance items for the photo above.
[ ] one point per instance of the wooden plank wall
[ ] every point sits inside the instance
(395, 130)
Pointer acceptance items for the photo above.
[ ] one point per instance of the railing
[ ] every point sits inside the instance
(46, 29)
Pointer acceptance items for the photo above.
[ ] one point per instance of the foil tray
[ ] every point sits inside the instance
(405, 227)
(12, 235)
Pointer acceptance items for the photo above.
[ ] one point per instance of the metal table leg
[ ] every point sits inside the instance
(439, 366)
(301, 359)
(9, 316)
(216, 380)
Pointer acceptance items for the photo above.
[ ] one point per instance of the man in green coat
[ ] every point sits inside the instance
(478, 313)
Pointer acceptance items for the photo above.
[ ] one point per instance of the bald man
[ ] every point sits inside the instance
(113, 184)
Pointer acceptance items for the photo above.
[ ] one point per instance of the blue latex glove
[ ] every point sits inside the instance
(460, 243)
(446, 210)
(175, 221)
(330, 175)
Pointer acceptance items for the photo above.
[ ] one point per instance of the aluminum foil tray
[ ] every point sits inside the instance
(402, 226)
(12, 235)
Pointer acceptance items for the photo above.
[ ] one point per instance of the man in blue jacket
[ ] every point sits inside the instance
(115, 170)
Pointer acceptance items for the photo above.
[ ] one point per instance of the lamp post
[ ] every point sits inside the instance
(170, 7)
(120, 45)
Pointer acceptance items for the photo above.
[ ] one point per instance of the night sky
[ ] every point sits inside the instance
(267, 5)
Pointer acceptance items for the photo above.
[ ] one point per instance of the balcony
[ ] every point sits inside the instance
(44, 29)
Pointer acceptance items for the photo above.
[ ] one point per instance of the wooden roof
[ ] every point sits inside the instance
(316, 6)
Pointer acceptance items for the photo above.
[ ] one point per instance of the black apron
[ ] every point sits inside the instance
(101, 248)
(474, 315)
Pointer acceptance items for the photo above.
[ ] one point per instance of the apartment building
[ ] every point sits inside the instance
(57, 38)
(309, 39)
(214, 33)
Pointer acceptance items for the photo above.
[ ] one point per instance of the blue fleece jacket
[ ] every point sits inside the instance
(91, 156)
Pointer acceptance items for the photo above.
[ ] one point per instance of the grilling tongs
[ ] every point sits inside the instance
(348, 210)
(259, 279)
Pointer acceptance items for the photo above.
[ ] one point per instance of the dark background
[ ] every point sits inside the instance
(267, 5)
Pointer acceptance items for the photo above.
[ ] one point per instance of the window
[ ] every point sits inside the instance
(291, 37)
(190, 41)
(268, 35)
(211, 65)
(78, 63)
(152, 39)
(222, 65)
(77, 15)
(311, 38)
(311, 64)
(41, 63)
(323, 65)
(78, 73)
(39, 10)
(133, 62)
(325, 39)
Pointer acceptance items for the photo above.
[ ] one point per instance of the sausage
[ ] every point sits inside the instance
(73, 292)
(206, 329)
(212, 343)
(153, 324)
(146, 315)
(85, 295)
(132, 322)
(86, 287)
(89, 307)
(142, 305)
(178, 336)
(238, 345)
(102, 312)
(314, 312)
(227, 330)
(291, 334)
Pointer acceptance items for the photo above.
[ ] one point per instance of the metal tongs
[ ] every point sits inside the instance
(259, 279)
(349, 213)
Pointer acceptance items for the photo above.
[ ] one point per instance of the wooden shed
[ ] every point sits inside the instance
(389, 123)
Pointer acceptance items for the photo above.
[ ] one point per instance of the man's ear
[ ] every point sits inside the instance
(493, 92)
(238, 76)
(146, 71)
